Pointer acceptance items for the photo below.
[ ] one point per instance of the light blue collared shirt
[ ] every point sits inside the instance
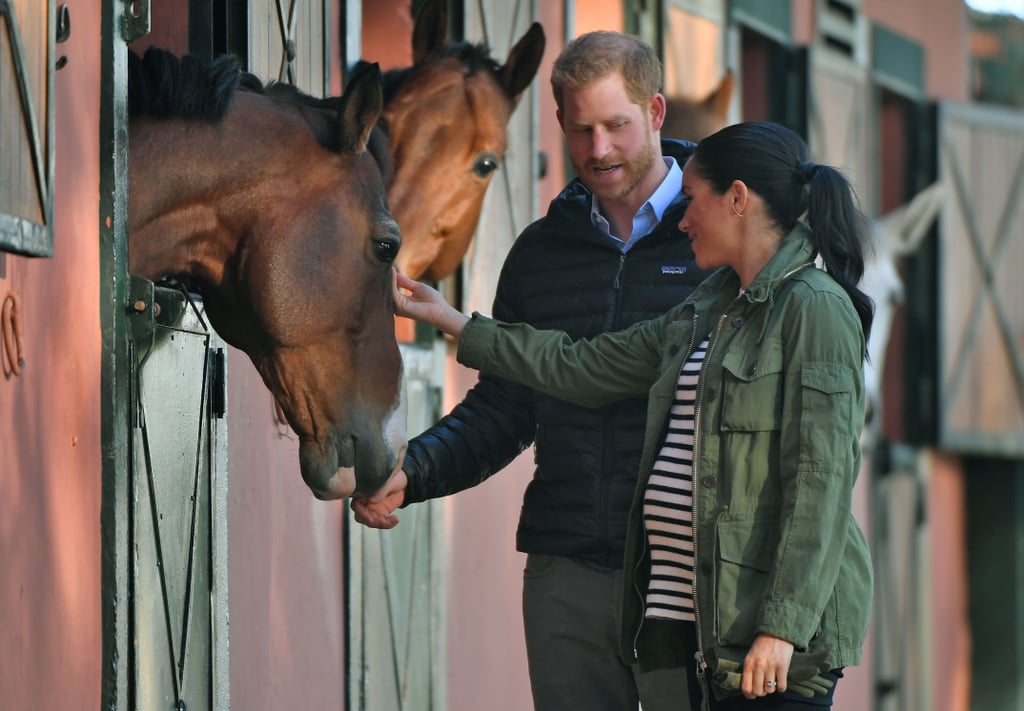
(650, 213)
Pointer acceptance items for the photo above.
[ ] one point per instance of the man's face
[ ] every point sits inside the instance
(611, 140)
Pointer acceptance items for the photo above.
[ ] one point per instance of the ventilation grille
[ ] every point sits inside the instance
(839, 27)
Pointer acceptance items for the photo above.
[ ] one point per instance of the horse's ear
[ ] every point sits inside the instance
(523, 61)
(717, 102)
(360, 107)
(431, 30)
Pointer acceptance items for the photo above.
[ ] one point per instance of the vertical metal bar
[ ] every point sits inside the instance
(115, 523)
(351, 36)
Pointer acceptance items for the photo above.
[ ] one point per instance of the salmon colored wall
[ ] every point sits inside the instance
(486, 645)
(552, 18)
(387, 32)
(50, 453)
(285, 563)
(941, 27)
(950, 671)
(598, 15)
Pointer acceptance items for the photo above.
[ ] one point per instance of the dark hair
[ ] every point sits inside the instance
(772, 161)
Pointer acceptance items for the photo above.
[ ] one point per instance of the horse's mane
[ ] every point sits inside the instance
(474, 57)
(163, 85)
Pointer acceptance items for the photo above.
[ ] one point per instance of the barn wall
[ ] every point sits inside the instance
(284, 562)
(940, 26)
(50, 455)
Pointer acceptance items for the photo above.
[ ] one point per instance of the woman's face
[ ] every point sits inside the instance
(708, 220)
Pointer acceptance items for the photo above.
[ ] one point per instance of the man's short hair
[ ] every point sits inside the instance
(595, 55)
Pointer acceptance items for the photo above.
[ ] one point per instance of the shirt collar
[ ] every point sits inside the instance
(651, 212)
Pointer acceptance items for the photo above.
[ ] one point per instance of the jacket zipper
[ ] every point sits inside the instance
(617, 284)
(611, 324)
(699, 655)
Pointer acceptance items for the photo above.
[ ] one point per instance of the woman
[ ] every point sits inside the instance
(742, 551)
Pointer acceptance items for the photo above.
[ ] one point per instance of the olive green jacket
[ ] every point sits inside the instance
(780, 407)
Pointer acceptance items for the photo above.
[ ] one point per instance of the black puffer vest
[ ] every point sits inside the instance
(563, 273)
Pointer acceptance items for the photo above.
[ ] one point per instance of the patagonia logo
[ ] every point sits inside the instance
(672, 269)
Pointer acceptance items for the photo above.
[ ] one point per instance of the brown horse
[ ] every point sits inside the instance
(276, 211)
(446, 119)
(691, 119)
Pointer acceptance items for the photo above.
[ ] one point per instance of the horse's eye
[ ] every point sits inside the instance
(485, 165)
(385, 250)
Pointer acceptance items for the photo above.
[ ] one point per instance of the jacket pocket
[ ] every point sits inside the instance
(745, 550)
(752, 388)
(827, 396)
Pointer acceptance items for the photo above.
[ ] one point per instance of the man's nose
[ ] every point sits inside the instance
(600, 144)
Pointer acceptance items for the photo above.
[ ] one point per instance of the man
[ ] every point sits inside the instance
(607, 254)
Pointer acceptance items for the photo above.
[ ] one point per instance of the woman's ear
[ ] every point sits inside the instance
(739, 194)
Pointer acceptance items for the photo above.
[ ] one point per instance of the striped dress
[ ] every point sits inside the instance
(668, 504)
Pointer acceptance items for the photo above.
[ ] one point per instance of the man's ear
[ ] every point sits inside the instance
(656, 107)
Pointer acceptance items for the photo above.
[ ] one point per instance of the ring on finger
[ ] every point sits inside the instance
(771, 684)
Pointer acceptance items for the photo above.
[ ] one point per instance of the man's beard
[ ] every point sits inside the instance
(634, 171)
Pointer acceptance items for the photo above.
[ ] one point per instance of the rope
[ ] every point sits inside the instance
(10, 324)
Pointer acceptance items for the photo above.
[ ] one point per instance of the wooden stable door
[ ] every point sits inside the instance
(841, 121)
(981, 339)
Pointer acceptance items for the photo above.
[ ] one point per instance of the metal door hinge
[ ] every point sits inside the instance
(141, 309)
(135, 20)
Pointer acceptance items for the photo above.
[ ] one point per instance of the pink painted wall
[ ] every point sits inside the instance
(50, 455)
(285, 563)
(551, 17)
(486, 646)
(949, 674)
(941, 27)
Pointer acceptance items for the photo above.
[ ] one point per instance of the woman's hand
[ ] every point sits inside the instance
(418, 301)
(766, 666)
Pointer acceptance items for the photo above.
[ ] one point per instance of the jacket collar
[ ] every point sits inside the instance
(796, 252)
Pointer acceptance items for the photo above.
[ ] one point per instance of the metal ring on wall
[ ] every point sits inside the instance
(10, 327)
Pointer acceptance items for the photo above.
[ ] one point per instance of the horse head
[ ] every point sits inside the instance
(276, 211)
(691, 119)
(446, 119)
